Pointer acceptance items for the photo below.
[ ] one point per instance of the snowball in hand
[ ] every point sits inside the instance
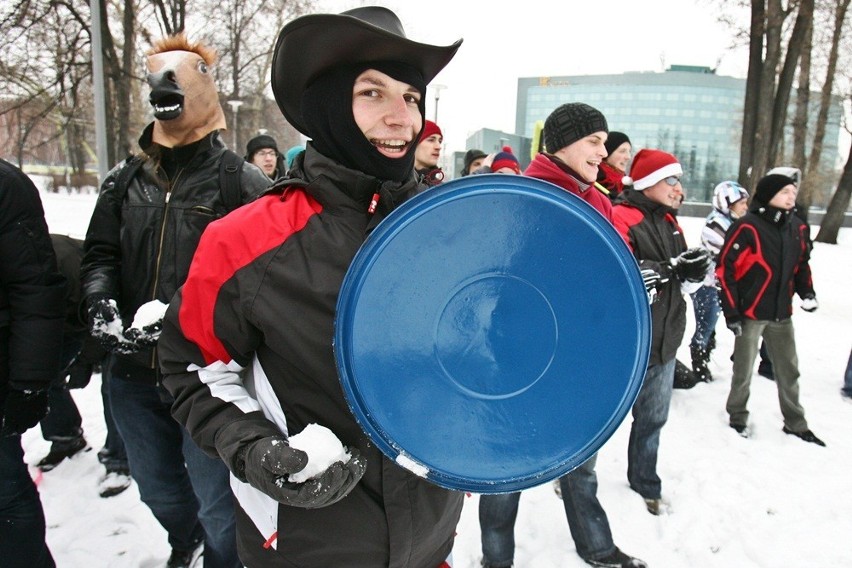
(323, 449)
(149, 313)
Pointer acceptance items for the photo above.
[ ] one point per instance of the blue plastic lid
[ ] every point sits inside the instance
(492, 333)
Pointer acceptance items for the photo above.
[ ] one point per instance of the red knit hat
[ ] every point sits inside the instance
(506, 159)
(649, 167)
(429, 129)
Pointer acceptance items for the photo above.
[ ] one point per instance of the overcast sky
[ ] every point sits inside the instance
(507, 40)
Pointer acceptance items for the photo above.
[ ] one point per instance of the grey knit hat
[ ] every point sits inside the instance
(571, 122)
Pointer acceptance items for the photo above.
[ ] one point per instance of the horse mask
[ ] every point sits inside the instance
(183, 94)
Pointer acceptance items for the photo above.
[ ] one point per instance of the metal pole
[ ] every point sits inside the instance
(438, 89)
(235, 108)
(98, 88)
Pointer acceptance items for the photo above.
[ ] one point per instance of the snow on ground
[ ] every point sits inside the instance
(771, 500)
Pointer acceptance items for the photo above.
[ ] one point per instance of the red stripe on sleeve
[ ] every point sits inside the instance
(226, 246)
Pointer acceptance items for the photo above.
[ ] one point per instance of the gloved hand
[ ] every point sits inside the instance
(270, 460)
(691, 265)
(106, 326)
(736, 326)
(810, 304)
(652, 280)
(146, 336)
(22, 410)
(79, 373)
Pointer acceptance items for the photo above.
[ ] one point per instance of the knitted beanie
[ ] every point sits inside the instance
(259, 143)
(769, 185)
(469, 157)
(571, 122)
(429, 129)
(614, 140)
(649, 167)
(505, 159)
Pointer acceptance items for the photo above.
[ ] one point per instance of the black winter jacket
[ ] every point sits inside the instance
(139, 248)
(32, 291)
(654, 236)
(763, 262)
(268, 302)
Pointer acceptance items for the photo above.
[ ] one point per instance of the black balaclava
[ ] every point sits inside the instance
(327, 115)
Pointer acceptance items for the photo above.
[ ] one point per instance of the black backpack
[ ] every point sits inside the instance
(229, 178)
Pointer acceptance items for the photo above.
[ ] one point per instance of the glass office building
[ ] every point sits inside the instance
(688, 111)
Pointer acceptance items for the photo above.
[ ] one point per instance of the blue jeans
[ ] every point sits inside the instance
(187, 491)
(650, 412)
(586, 518)
(705, 304)
(847, 379)
(22, 529)
(113, 455)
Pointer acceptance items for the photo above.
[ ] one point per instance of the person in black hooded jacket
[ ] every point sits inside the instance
(139, 244)
(246, 348)
(763, 262)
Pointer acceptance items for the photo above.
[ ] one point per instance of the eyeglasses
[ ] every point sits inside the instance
(265, 153)
(672, 180)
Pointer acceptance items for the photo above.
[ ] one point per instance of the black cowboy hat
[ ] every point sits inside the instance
(310, 45)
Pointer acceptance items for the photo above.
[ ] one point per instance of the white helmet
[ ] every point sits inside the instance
(726, 194)
(793, 173)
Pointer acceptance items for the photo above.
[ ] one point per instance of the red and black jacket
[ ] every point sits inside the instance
(763, 262)
(654, 236)
(261, 293)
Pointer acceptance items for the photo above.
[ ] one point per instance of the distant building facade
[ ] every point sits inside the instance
(688, 111)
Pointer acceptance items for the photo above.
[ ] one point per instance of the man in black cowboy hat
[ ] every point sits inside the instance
(262, 291)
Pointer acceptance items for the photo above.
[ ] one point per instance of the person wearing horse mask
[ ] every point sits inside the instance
(355, 85)
(146, 225)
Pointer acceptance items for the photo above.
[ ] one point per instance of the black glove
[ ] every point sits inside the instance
(736, 326)
(78, 374)
(270, 460)
(652, 280)
(146, 336)
(106, 326)
(23, 410)
(691, 265)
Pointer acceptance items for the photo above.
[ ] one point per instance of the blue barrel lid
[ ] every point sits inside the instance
(492, 333)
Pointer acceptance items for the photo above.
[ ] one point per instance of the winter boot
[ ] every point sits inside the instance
(807, 436)
(113, 482)
(700, 358)
(616, 559)
(61, 450)
(187, 558)
(684, 377)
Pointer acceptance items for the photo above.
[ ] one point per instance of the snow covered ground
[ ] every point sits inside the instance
(768, 501)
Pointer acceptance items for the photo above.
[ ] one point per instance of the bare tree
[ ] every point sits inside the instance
(836, 212)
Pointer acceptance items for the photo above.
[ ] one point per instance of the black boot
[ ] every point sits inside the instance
(684, 378)
(700, 358)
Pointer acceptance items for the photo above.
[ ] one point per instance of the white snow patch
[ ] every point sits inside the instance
(323, 449)
(411, 465)
(149, 313)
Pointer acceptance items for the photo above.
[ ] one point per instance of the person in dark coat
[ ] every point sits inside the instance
(644, 216)
(763, 262)
(32, 312)
(262, 151)
(139, 244)
(246, 347)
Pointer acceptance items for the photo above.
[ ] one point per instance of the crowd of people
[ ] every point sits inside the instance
(214, 348)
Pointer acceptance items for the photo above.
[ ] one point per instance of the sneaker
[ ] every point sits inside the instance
(657, 507)
(741, 429)
(61, 450)
(186, 558)
(807, 436)
(113, 482)
(616, 559)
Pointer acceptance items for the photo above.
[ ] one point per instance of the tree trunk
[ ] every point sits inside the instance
(795, 46)
(808, 187)
(763, 129)
(803, 97)
(123, 87)
(836, 212)
(752, 93)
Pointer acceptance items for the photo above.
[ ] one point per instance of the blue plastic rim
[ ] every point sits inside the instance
(492, 333)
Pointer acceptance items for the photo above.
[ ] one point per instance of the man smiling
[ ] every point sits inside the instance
(262, 292)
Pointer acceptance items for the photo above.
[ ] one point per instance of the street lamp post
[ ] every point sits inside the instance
(235, 108)
(438, 89)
